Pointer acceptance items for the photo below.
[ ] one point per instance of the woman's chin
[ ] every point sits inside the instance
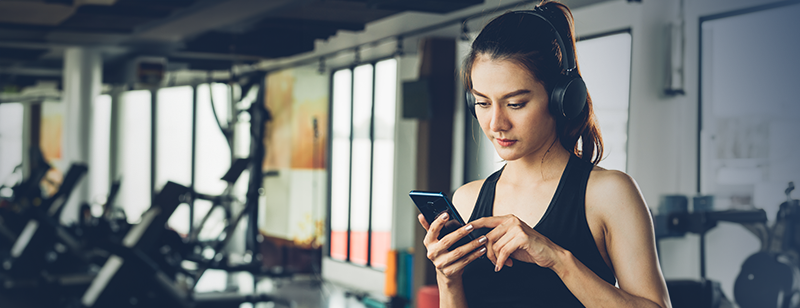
(507, 154)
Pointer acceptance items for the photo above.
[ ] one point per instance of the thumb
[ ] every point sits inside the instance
(423, 221)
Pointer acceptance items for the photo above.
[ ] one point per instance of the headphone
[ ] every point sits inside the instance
(568, 96)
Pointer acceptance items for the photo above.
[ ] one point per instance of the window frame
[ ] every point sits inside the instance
(327, 247)
(117, 160)
(701, 20)
(629, 31)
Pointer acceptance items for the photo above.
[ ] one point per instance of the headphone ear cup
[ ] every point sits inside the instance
(568, 97)
(470, 100)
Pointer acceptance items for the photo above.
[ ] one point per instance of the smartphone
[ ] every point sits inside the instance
(434, 204)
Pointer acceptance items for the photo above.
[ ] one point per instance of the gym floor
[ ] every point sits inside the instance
(302, 291)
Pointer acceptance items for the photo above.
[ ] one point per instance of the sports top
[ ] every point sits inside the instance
(527, 284)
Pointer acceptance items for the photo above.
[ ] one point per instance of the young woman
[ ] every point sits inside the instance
(555, 229)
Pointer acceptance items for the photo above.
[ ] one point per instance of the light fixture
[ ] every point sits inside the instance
(399, 51)
(321, 67)
(675, 63)
(357, 55)
(465, 32)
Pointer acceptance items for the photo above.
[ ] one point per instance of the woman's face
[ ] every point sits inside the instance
(512, 108)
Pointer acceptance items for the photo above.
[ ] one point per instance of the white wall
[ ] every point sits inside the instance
(663, 134)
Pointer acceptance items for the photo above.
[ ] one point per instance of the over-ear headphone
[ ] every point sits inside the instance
(568, 96)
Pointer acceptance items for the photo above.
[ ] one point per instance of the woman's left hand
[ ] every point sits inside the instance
(513, 238)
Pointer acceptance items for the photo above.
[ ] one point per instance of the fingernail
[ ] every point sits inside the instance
(497, 268)
(444, 216)
(482, 250)
(482, 240)
(468, 227)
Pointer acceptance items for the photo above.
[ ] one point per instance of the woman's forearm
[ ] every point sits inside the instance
(451, 292)
(591, 290)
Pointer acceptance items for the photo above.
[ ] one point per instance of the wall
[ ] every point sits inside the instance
(663, 132)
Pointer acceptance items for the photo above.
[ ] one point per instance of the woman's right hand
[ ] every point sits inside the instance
(450, 264)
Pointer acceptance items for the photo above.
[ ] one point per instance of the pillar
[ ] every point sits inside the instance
(81, 85)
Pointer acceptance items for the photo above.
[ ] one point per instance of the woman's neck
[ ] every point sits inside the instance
(538, 167)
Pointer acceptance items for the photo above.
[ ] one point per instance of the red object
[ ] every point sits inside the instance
(358, 247)
(380, 248)
(428, 297)
(339, 245)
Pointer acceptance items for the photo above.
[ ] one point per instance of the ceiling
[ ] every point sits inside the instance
(193, 34)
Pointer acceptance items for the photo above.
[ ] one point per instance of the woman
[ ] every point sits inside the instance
(555, 229)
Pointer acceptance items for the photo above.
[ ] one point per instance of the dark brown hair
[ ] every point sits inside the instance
(529, 42)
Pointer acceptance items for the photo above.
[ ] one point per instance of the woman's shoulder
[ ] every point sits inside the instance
(465, 196)
(610, 177)
(612, 191)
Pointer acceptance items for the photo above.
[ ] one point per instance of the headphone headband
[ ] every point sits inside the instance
(567, 61)
(568, 94)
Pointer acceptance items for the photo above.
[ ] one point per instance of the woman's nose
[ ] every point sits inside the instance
(499, 120)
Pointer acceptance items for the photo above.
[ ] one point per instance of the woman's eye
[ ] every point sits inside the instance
(516, 106)
(482, 104)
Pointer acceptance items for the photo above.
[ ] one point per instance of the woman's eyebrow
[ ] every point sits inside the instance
(507, 96)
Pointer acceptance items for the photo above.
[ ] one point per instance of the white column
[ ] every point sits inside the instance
(81, 85)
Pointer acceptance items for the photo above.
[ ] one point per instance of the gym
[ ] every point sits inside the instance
(237, 153)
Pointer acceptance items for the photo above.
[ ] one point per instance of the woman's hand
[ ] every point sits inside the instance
(450, 264)
(512, 237)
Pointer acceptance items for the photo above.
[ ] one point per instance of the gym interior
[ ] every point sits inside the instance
(236, 153)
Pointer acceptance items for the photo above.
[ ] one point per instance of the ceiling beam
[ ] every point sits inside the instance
(30, 71)
(209, 15)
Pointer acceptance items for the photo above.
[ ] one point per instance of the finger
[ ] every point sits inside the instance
(465, 250)
(435, 228)
(490, 253)
(463, 262)
(489, 222)
(498, 231)
(509, 243)
(501, 260)
(423, 222)
(450, 239)
(493, 236)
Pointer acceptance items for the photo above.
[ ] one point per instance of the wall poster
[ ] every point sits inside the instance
(295, 182)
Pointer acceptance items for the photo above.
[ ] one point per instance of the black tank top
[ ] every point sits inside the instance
(527, 284)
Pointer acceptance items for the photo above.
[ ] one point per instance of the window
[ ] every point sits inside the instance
(212, 150)
(748, 128)
(213, 155)
(362, 162)
(174, 136)
(748, 122)
(11, 115)
(100, 155)
(174, 145)
(176, 125)
(135, 190)
(605, 63)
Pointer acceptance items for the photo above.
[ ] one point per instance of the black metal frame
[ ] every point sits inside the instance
(253, 218)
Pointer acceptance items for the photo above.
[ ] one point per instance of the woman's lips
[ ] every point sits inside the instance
(505, 142)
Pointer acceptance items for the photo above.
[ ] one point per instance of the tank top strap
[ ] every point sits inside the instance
(484, 206)
(566, 224)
